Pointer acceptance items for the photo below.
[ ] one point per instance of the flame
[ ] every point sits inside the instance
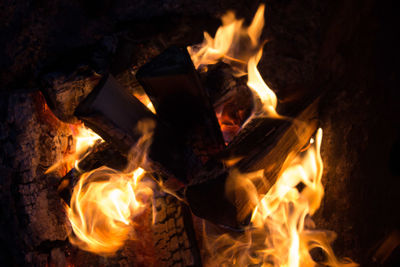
(103, 206)
(278, 235)
(240, 47)
(84, 139)
(256, 83)
(281, 231)
(105, 201)
(233, 42)
(143, 97)
(284, 209)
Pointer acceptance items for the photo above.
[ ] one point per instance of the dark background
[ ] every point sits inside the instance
(349, 49)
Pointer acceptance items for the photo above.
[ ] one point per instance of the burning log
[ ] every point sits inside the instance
(212, 193)
(67, 184)
(113, 113)
(173, 232)
(102, 154)
(187, 128)
(264, 144)
(116, 115)
(173, 85)
(65, 91)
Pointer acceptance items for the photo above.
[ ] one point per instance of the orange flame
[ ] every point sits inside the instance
(83, 140)
(240, 47)
(143, 97)
(281, 231)
(103, 204)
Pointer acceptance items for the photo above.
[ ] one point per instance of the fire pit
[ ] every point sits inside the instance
(152, 147)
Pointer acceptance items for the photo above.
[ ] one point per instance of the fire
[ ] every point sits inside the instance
(103, 206)
(105, 202)
(84, 139)
(281, 231)
(284, 209)
(143, 97)
(240, 47)
(256, 83)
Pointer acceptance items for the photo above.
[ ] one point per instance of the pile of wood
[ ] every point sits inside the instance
(188, 152)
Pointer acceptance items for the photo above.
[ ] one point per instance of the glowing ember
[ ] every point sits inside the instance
(84, 139)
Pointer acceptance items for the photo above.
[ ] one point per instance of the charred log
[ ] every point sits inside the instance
(102, 154)
(113, 113)
(64, 91)
(212, 193)
(264, 144)
(173, 232)
(116, 115)
(173, 85)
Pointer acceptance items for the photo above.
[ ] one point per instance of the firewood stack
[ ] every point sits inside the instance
(188, 153)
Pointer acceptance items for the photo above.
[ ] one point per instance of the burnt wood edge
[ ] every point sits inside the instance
(210, 192)
(185, 67)
(167, 153)
(173, 222)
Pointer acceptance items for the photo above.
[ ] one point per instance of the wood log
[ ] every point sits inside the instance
(264, 144)
(67, 184)
(115, 115)
(208, 200)
(173, 233)
(65, 90)
(173, 85)
(102, 154)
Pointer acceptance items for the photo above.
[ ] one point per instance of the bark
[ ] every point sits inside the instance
(32, 140)
(174, 237)
(65, 91)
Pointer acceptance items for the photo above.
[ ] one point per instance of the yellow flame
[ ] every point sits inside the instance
(240, 47)
(103, 204)
(143, 97)
(228, 41)
(256, 83)
(280, 232)
(83, 140)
